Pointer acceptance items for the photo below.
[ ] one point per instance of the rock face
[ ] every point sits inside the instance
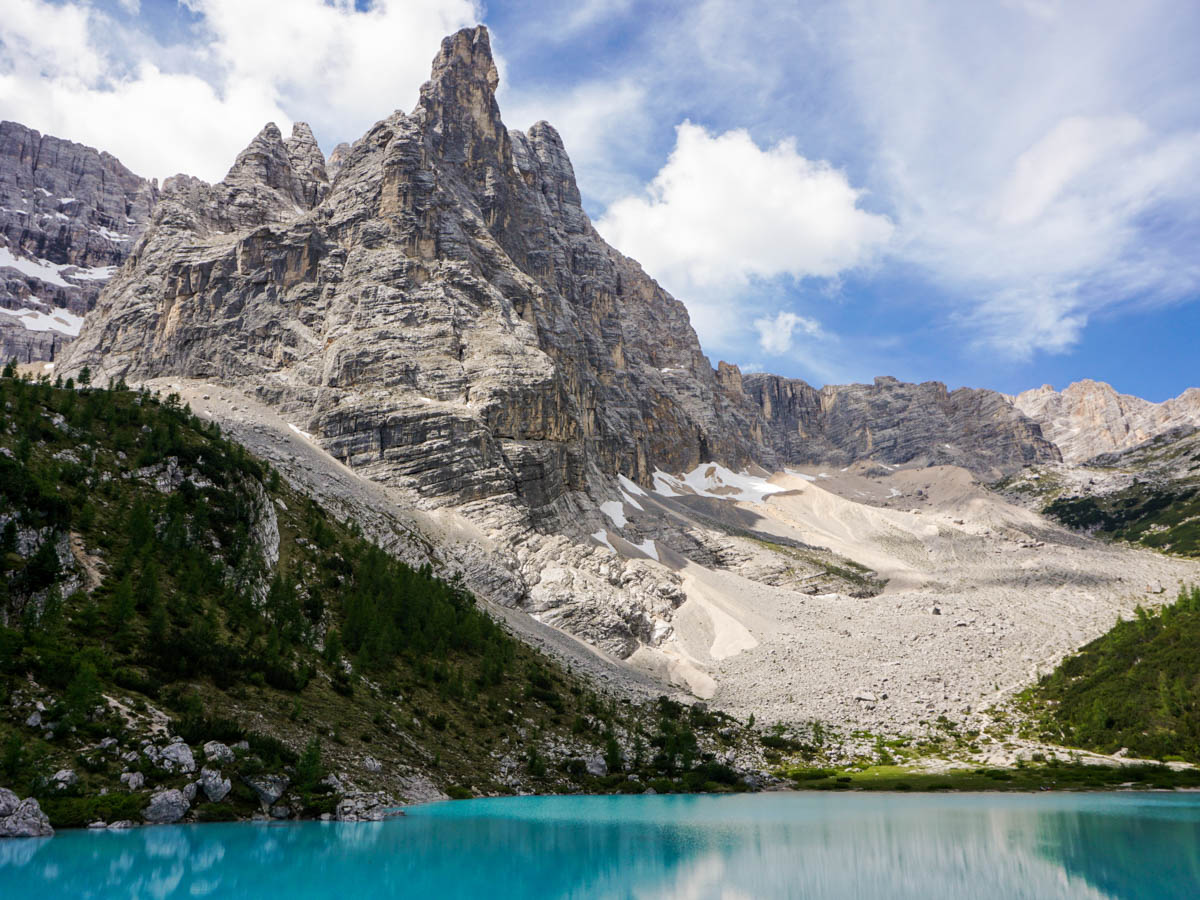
(1089, 418)
(69, 216)
(895, 423)
(22, 818)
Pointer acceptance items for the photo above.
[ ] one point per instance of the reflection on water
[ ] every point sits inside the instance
(778, 845)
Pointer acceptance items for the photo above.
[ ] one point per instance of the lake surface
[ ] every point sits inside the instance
(928, 846)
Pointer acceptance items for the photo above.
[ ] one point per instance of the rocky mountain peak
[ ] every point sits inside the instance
(308, 164)
(459, 102)
(1089, 418)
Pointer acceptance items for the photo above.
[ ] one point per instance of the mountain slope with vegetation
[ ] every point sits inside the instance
(1136, 687)
(161, 586)
(1149, 495)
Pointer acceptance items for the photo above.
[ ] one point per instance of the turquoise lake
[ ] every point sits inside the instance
(743, 846)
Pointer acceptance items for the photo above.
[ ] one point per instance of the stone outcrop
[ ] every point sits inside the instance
(22, 818)
(1089, 418)
(893, 422)
(69, 216)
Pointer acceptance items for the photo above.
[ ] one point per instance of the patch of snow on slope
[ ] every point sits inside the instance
(99, 273)
(631, 501)
(602, 537)
(647, 547)
(664, 484)
(713, 480)
(796, 474)
(630, 486)
(303, 434)
(35, 268)
(615, 510)
(61, 320)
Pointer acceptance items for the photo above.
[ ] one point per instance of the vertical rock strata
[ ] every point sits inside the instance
(69, 215)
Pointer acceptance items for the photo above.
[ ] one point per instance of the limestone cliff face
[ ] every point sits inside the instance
(1089, 418)
(68, 216)
(442, 312)
(894, 422)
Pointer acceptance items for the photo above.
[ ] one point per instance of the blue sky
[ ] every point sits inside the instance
(993, 194)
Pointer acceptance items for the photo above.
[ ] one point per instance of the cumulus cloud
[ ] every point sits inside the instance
(69, 69)
(776, 335)
(723, 212)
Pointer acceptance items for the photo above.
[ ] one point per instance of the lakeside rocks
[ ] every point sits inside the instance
(22, 818)
(216, 788)
(268, 788)
(166, 807)
(215, 751)
(364, 806)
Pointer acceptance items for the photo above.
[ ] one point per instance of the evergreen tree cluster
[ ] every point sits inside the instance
(1138, 687)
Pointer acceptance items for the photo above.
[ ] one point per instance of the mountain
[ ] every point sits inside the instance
(1089, 418)
(427, 335)
(69, 216)
(443, 312)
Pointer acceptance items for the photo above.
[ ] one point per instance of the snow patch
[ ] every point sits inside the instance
(615, 510)
(61, 320)
(115, 236)
(630, 486)
(662, 484)
(803, 475)
(36, 268)
(647, 546)
(100, 273)
(602, 537)
(718, 482)
(303, 434)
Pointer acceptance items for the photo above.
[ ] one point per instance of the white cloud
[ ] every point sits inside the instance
(69, 70)
(776, 335)
(723, 213)
(1036, 164)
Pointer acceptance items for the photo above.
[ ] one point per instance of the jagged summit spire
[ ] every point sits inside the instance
(459, 102)
(469, 52)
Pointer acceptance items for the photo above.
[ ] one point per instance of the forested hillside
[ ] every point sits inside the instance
(162, 587)
(1137, 687)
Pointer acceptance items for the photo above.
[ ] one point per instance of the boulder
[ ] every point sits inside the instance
(371, 764)
(214, 786)
(34, 720)
(179, 755)
(215, 751)
(166, 807)
(596, 766)
(135, 781)
(364, 806)
(121, 824)
(22, 818)
(268, 788)
(189, 791)
(64, 778)
(281, 811)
